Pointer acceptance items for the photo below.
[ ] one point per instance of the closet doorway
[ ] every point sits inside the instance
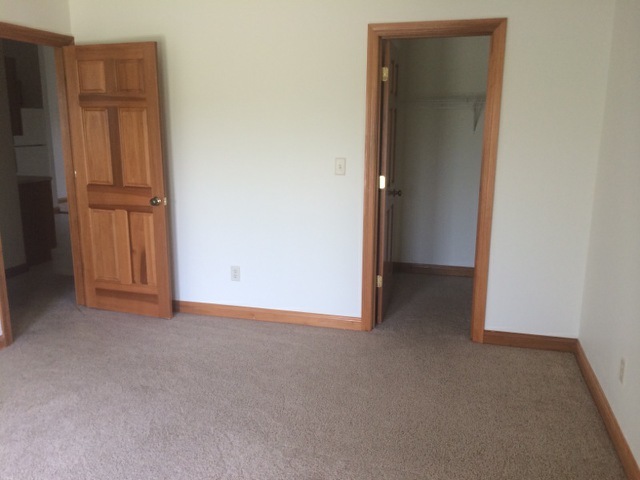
(431, 87)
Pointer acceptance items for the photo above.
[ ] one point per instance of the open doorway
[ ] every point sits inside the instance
(435, 151)
(35, 222)
(381, 193)
(42, 195)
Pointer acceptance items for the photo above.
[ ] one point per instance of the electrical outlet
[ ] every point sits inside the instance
(621, 370)
(235, 274)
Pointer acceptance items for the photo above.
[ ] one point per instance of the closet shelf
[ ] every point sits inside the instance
(450, 102)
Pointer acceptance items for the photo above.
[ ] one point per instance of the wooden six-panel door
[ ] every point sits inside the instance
(114, 117)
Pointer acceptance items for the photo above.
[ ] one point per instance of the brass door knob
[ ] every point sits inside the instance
(155, 201)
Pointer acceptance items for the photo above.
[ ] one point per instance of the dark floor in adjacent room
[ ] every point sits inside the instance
(98, 395)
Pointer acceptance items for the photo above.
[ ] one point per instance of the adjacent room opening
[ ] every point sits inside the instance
(34, 211)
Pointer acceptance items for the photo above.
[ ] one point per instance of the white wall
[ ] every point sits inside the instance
(262, 96)
(439, 150)
(610, 327)
(50, 15)
(444, 66)
(439, 178)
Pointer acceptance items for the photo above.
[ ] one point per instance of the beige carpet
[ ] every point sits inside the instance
(96, 395)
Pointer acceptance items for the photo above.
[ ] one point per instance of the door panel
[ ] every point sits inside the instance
(143, 248)
(114, 112)
(109, 232)
(97, 144)
(91, 76)
(387, 156)
(134, 154)
(130, 76)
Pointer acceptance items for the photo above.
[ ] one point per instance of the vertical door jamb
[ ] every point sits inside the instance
(496, 29)
(5, 320)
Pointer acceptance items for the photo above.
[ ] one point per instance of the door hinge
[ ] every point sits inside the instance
(379, 281)
(385, 74)
(382, 182)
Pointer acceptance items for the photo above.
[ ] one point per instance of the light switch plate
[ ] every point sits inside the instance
(341, 166)
(235, 273)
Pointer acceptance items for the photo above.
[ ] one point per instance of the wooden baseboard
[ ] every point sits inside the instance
(268, 315)
(540, 342)
(625, 454)
(17, 270)
(426, 269)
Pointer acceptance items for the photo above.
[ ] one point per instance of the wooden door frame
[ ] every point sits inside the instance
(496, 28)
(57, 41)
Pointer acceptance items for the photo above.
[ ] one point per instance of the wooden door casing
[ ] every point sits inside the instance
(496, 29)
(114, 116)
